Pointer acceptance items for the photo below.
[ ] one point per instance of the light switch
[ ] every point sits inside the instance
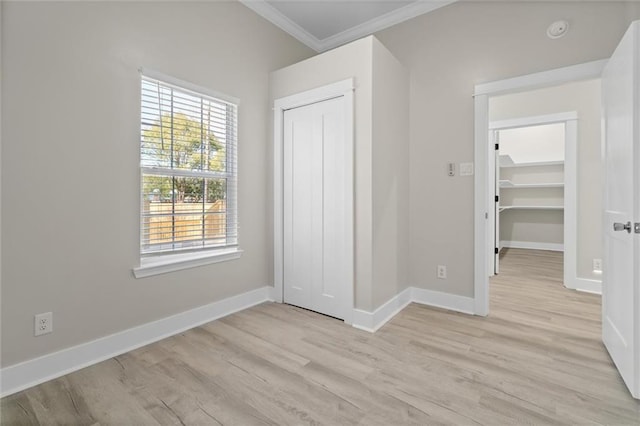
(466, 169)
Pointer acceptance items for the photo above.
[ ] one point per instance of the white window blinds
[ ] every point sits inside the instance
(189, 170)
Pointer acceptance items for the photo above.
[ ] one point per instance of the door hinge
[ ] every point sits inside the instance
(636, 227)
(497, 198)
(497, 250)
(497, 146)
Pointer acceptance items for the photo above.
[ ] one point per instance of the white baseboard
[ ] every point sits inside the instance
(588, 286)
(271, 293)
(372, 321)
(532, 245)
(453, 302)
(47, 367)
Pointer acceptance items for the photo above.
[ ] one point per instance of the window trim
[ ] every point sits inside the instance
(155, 264)
(161, 264)
(186, 85)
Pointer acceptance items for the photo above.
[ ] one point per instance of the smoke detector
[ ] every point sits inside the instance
(557, 29)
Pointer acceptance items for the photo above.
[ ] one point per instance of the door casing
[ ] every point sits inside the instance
(342, 88)
(482, 93)
(570, 232)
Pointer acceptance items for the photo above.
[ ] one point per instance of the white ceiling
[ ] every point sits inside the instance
(325, 24)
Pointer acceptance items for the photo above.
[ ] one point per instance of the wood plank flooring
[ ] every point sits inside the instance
(536, 360)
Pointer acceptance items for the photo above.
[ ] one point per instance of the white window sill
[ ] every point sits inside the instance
(150, 266)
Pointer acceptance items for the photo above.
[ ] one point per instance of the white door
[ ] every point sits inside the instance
(316, 273)
(621, 284)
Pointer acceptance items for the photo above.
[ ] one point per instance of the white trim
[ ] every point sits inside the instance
(271, 293)
(588, 286)
(156, 265)
(483, 211)
(344, 89)
(531, 245)
(542, 79)
(312, 96)
(273, 15)
(452, 302)
(349, 207)
(47, 367)
(481, 133)
(536, 120)
(570, 226)
(277, 18)
(372, 321)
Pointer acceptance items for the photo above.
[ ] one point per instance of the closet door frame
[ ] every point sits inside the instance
(570, 226)
(343, 89)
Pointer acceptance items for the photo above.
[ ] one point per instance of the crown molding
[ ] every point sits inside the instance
(273, 15)
(387, 20)
(264, 9)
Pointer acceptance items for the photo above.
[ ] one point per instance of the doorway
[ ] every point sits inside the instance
(532, 169)
(313, 200)
(483, 184)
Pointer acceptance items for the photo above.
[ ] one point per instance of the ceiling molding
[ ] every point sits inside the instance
(271, 14)
(264, 9)
(383, 21)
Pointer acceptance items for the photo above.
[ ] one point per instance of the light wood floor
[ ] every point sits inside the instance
(537, 359)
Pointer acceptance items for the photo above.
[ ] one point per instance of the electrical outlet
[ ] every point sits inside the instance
(442, 272)
(597, 265)
(43, 323)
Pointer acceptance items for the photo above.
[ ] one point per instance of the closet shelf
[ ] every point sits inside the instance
(506, 184)
(507, 161)
(502, 208)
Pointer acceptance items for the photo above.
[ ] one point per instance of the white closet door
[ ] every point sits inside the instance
(315, 274)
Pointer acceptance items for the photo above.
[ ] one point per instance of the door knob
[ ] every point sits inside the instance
(617, 226)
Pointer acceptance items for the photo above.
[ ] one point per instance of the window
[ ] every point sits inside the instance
(188, 169)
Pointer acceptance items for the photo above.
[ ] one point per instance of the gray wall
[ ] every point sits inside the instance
(447, 52)
(526, 226)
(70, 142)
(390, 175)
(583, 98)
